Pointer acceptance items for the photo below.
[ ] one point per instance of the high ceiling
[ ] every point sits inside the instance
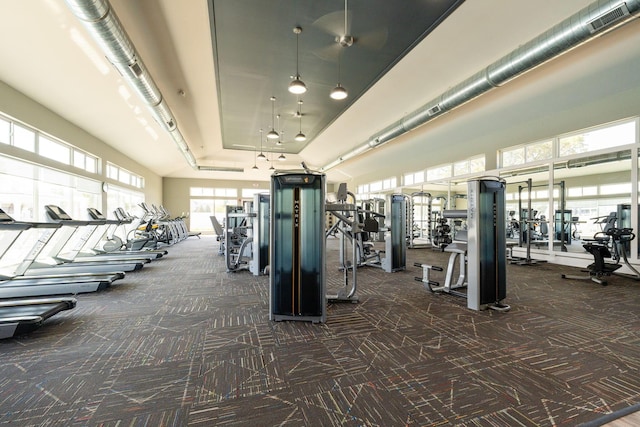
(218, 62)
(255, 57)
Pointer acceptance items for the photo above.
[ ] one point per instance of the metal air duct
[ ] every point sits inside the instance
(219, 169)
(590, 22)
(103, 25)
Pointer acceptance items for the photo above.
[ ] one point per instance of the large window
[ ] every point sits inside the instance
(599, 138)
(469, 166)
(124, 176)
(54, 150)
(5, 131)
(211, 201)
(26, 188)
(26, 138)
(125, 198)
(438, 173)
(526, 153)
(413, 178)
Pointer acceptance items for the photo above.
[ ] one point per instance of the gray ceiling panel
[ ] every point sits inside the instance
(255, 54)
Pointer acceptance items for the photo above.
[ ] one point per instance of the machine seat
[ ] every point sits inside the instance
(456, 247)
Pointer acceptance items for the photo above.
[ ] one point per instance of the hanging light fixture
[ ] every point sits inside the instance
(297, 86)
(338, 92)
(300, 136)
(282, 157)
(271, 160)
(281, 135)
(261, 156)
(272, 133)
(255, 166)
(346, 40)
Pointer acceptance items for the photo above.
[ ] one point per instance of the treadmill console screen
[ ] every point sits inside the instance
(4, 217)
(57, 213)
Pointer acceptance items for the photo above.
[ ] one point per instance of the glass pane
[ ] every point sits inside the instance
(24, 138)
(54, 150)
(408, 179)
(477, 165)
(513, 157)
(248, 193)
(527, 217)
(91, 164)
(599, 139)
(78, 159)
(16, 197)
(124, 177)
(199, 212)
(595, 190)
(376, 186)
(112, 171)
(539, 151)
(5, 131)
(119, 197)
(440, 172)
(461, 168)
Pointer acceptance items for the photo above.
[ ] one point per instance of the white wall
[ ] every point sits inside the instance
(20, 107)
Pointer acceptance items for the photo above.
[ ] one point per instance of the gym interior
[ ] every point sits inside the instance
(463, 252)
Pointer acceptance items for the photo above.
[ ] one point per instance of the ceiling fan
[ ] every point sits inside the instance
(337, 24)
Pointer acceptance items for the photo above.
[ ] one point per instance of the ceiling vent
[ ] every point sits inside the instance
(136, 69)
(608, 18)
(434, 110)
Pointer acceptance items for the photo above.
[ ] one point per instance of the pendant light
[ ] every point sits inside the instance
(346, 40)
(261, 156)
(255, 166)
(300, 136)
(281, 135)
(338, 92)
(272, 133)
(282, 157)
(297, 86)
(271, 160)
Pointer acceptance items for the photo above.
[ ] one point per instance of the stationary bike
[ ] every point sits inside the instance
(599, 248)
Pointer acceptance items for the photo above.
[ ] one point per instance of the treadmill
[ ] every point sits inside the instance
(60, 251)
(20, 244)
(80, 247)
(21, 316)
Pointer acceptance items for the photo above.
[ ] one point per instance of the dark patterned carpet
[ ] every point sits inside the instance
(183, 343)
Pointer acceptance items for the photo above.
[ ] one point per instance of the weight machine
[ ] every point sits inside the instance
(441, 230)
(238, 236)
(260, 231)
(349, 228)
(374, 208)
(482, 260)
(416, 224)
(458, 251)
(395, 237)
(297, 268)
